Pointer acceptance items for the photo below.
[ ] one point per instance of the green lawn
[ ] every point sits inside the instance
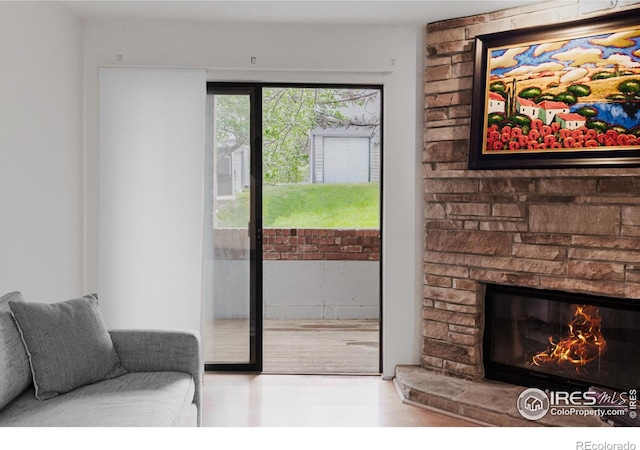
(311, 206)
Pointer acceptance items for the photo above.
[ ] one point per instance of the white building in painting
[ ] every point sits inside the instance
(548, 109)
(496, 103)
(527, 107)
(571, 121)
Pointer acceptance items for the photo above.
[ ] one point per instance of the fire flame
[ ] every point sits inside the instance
(584, 343)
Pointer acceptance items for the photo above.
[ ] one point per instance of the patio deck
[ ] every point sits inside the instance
(300, 346)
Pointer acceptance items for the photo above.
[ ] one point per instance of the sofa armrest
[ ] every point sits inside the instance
(161, 351)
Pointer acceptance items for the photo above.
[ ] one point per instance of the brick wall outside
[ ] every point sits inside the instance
(576, 230)
(304, 244)
(320, 244)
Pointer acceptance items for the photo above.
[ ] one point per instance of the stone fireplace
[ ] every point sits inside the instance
(568, 230)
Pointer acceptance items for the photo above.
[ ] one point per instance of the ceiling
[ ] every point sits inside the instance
(354, 12)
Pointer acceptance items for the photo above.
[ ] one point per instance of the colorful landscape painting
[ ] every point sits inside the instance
(570, 95)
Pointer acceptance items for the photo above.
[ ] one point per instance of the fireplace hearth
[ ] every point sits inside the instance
(559, 340)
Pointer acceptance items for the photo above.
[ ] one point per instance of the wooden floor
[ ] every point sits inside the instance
(248, 400)
(321, 346)
(300, 346)
(314, 375)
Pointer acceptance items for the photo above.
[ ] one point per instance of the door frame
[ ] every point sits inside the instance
(254, 92)
(255, 227)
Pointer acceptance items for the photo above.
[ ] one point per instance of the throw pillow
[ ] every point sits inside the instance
(15, 374)
(68, 344)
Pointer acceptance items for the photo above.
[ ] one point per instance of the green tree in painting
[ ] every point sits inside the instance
(631, 89)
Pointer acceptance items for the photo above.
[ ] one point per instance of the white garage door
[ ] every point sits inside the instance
(346, 159)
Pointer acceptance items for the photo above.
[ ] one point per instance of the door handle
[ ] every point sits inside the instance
(258, 231)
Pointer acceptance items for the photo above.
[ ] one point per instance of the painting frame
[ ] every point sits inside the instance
(504, 66)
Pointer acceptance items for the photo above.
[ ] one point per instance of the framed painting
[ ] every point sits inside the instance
(566, 95)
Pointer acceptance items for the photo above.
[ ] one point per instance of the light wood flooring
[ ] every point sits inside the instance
(249, 400)
(300, 346)
(316, 373)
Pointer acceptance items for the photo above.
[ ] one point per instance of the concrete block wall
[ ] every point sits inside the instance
(575, 230)
(321, 289)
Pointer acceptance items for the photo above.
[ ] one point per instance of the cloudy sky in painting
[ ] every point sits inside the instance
(605, 50)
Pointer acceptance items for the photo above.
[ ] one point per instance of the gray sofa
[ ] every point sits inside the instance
(158, 383)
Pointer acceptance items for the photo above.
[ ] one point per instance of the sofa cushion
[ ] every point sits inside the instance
(137, 399)
(67, 343)
(16, 374)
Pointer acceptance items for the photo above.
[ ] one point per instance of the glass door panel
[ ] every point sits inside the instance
(230, 328)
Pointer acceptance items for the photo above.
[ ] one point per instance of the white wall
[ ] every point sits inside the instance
(41, 155)
(380, 55)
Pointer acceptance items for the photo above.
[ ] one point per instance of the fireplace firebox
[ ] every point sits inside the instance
(559, 340)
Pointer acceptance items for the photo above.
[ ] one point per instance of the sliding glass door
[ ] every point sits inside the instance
(233, 310)
(318, 152)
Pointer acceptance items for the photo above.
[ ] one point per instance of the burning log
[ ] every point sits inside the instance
(584, 343)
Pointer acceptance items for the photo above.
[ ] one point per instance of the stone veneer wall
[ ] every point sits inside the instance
(576, 230)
